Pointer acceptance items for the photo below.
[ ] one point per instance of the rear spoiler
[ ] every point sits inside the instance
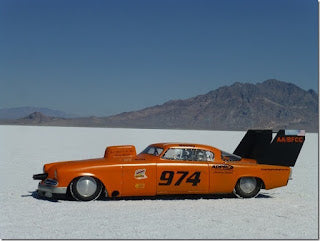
(283, 150)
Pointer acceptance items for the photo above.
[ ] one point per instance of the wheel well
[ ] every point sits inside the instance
(262, 183)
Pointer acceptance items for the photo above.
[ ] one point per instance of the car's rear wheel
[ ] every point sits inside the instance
(85, 188)
(247, 187)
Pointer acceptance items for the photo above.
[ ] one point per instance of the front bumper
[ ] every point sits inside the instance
(50, 191)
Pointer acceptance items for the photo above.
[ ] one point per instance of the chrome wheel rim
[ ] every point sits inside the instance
(86, 186)
(248, 184)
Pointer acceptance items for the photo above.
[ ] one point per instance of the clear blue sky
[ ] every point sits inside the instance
(106, 57)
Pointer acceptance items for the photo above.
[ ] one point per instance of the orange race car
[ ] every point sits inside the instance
(178, 168)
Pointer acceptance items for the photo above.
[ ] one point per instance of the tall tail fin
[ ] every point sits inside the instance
(283, 150)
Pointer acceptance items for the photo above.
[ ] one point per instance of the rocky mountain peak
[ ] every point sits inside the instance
(37, 117)
(240, 106)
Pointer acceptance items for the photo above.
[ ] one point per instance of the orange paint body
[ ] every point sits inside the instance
(123, 172)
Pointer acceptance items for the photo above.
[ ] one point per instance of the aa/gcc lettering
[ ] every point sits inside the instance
(290, 139)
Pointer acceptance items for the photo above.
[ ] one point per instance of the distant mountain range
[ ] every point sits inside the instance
(20, 112)
(271, 104)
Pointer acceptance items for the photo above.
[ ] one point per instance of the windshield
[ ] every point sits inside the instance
(229, 157)
(152, 150)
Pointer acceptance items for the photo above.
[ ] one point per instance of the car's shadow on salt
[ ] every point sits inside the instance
(183, 197)
(172, 197)
(263, 195)
(35, 195)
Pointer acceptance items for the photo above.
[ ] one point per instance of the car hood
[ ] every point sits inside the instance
(80, 164)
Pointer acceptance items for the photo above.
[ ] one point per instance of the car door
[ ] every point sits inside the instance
(180, 171)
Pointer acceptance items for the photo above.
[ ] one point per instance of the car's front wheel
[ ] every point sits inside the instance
(85, 188)
(247, 187)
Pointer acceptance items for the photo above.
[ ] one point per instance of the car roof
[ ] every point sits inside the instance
(182, 144)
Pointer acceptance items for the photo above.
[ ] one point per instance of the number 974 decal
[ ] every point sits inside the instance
(167, 177)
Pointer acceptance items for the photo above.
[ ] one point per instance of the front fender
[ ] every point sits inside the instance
(110, 176)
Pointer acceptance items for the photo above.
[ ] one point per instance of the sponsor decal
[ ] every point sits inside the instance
(140, 185)
(290, 139)
(222, 167)
(140, 174)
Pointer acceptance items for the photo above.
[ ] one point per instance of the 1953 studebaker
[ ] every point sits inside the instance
(259, 162)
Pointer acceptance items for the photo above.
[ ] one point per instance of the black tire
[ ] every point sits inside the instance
(85, 188)
(247, 187)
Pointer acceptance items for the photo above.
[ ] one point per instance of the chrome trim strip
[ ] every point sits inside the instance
(52, 189)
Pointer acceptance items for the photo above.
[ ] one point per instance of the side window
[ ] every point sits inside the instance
(199, 155)
(203, 155)
(187, 154)
(209, 156)
(173, 154)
